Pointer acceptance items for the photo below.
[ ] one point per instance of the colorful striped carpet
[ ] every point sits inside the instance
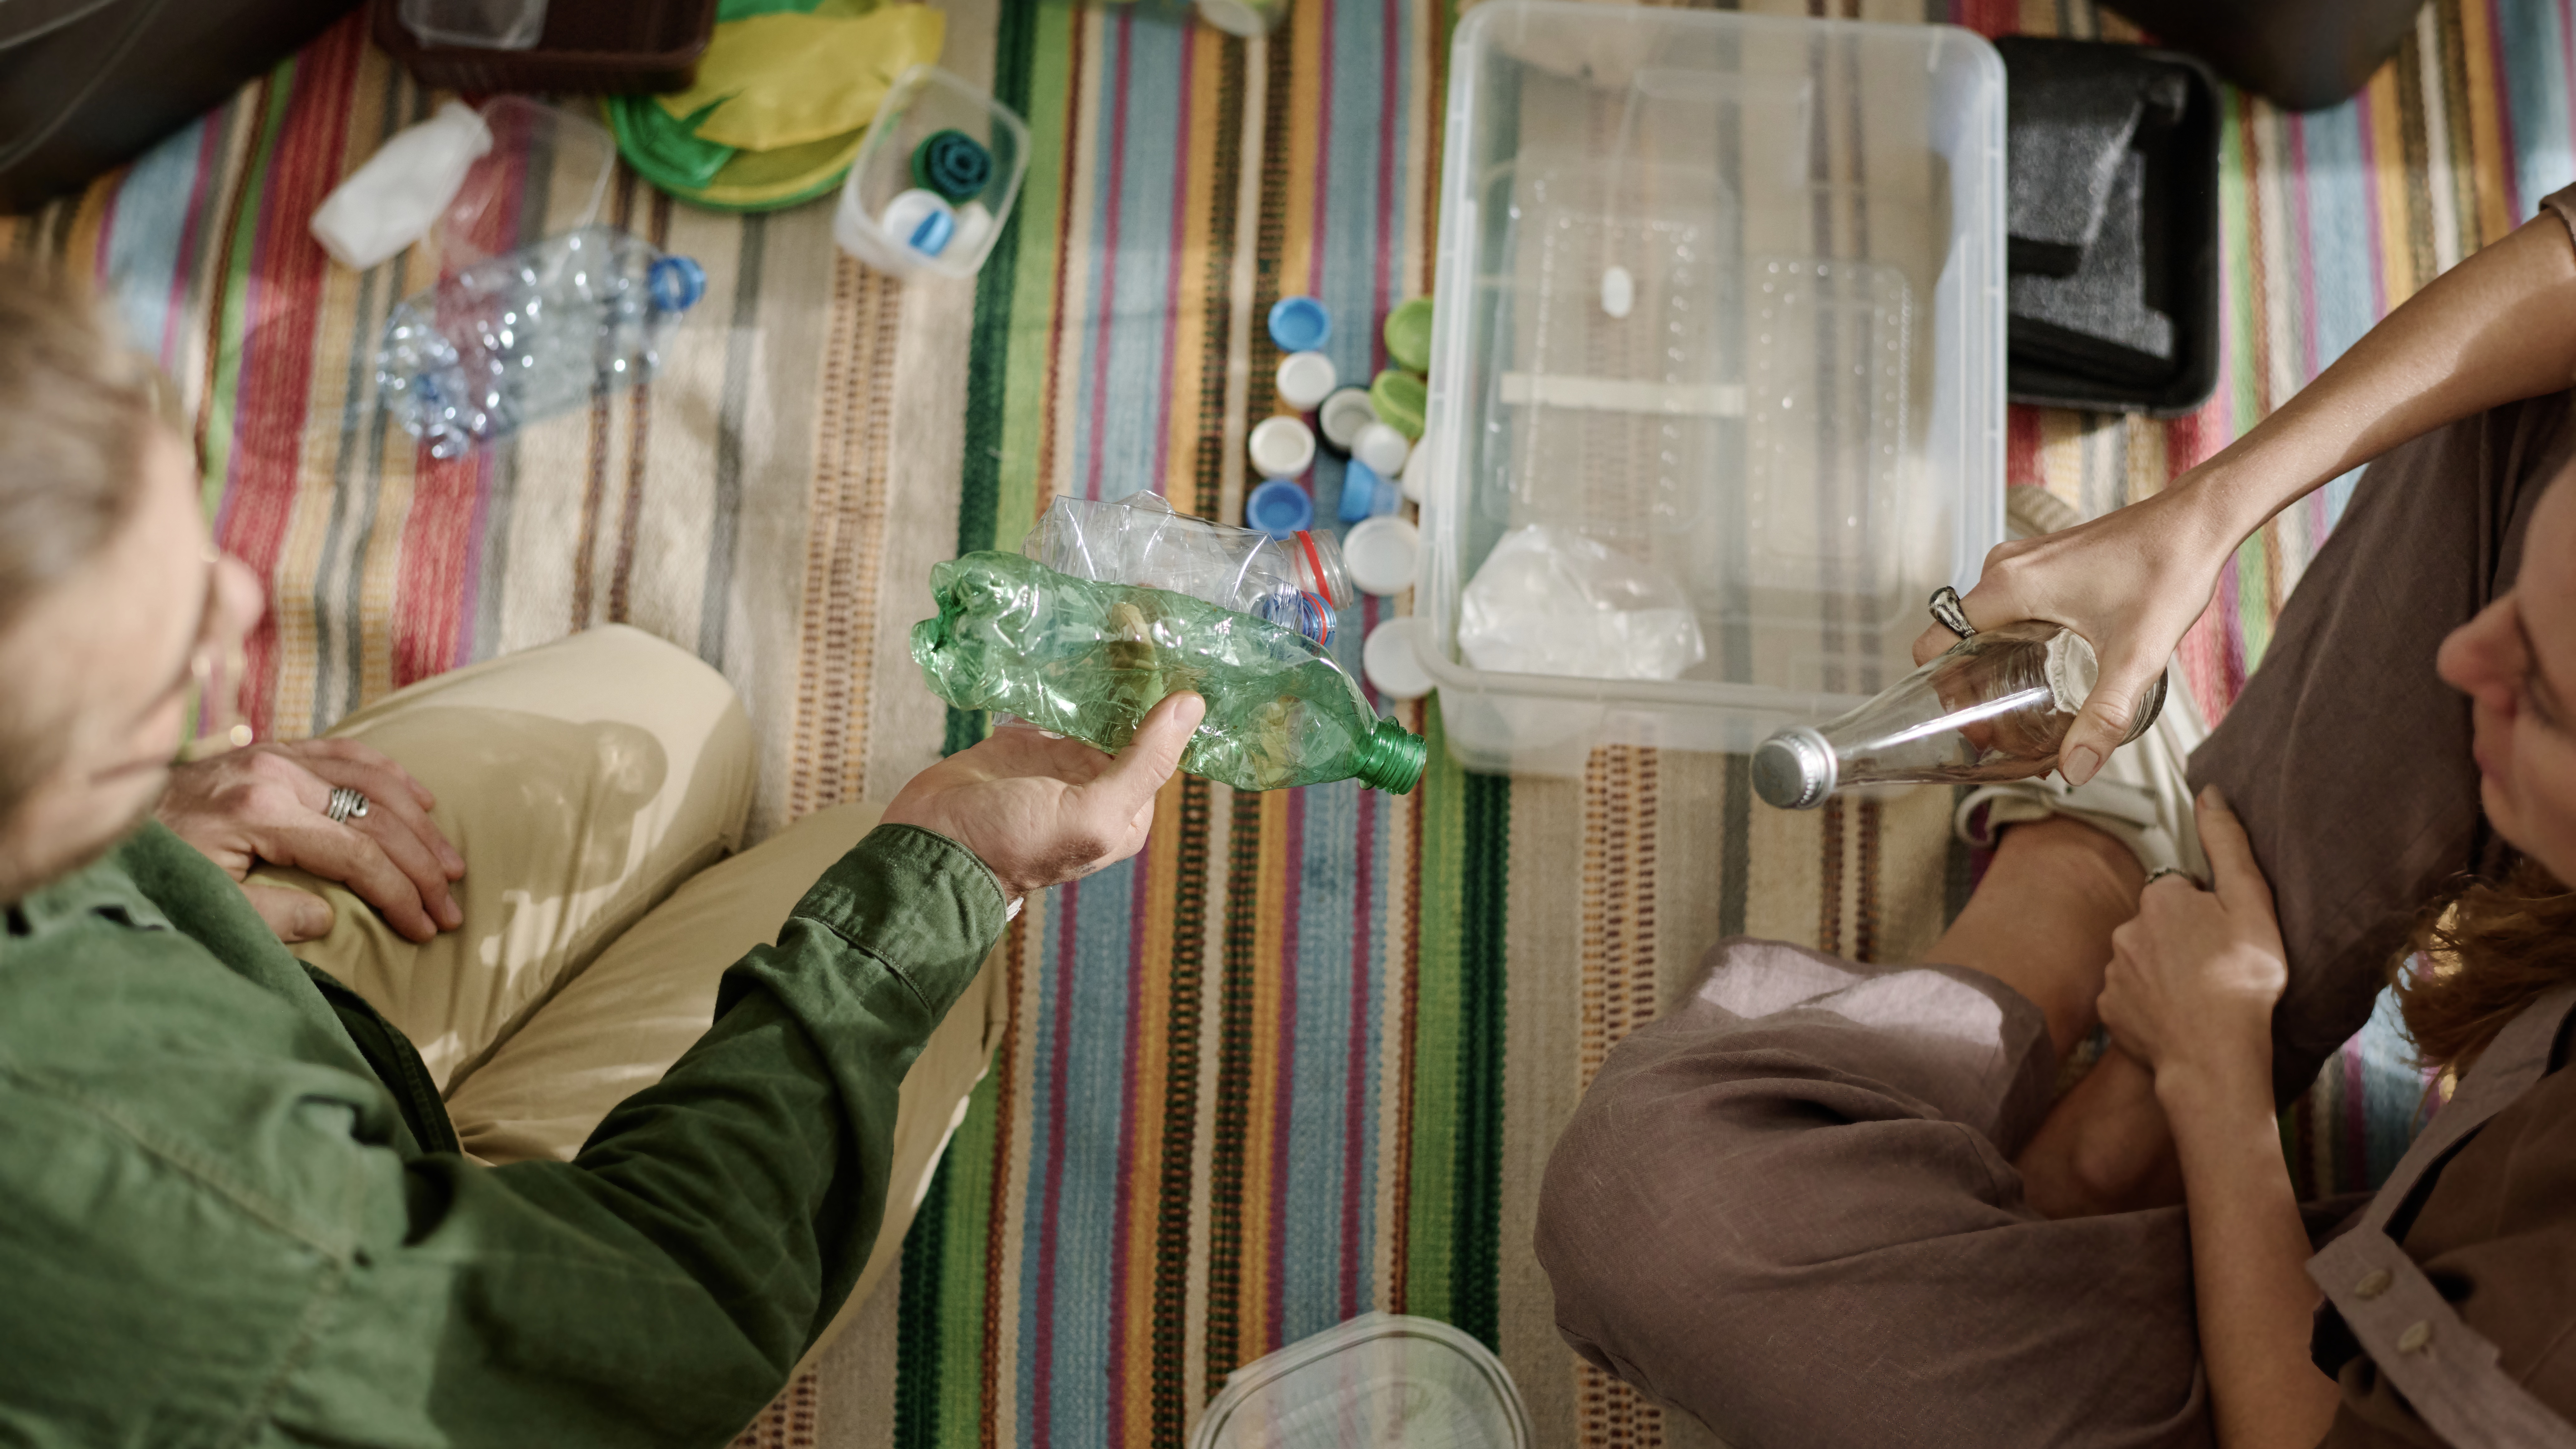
(1303, 1057)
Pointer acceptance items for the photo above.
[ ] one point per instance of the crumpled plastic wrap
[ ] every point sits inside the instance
(1552, 601)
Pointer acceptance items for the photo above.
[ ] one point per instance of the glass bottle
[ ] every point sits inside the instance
(1995, 706)
(1089, 659)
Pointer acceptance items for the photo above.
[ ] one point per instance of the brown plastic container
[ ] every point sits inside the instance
(598, 47)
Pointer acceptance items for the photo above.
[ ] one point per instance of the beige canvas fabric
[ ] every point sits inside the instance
(595, 787)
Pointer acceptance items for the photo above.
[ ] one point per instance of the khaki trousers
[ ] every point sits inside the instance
(595, 788)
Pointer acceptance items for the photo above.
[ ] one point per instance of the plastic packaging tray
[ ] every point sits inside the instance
(594, 47)
(1378, 1381)
(1797, 413)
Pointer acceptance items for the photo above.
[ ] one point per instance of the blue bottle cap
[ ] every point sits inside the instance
(675, 283)
(931, 237)
(1360, 485)
(1279, 508)
(1299, 324)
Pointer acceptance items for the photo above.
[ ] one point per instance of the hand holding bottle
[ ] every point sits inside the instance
(1040, 809)
(2130, 582)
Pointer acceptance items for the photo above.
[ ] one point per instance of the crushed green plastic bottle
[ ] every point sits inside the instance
(1090, 659)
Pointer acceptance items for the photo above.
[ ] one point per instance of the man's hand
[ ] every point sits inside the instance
(1040, 811)
(2194, 975)
(2131, 582)
(266, 803)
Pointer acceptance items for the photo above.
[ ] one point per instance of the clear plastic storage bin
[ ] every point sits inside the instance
(1726, 294)
(1378, 1381)
(925, 101)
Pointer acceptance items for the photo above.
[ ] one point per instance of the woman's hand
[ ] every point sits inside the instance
(1040, 810)
(2131, 582)
(2194, 975)
(266, 803)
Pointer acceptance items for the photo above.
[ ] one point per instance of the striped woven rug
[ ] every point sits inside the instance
(1304, 1057)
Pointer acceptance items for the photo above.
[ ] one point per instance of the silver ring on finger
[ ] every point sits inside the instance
(346, 805)
(1949, 613)
(2160, 872)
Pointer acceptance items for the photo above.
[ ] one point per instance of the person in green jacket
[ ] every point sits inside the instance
(236, 1205)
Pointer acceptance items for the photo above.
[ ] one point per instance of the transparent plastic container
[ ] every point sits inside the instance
(1296, 582)
(476, 24)
(1378, 1381)
(924, 102)
(1723, 293)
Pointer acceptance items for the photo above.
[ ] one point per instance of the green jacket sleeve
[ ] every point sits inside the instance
(657, 1288)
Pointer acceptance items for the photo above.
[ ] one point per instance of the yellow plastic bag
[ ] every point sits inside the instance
(786, 79)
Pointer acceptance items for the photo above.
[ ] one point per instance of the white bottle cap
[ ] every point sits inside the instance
(921, 220)
(1283, 447)
(1382, 448)
(1305, 379)
(1381, 554)
(1389, 658)
(1416, 477)
(1344, 414)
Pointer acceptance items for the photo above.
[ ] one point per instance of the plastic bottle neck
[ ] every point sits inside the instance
(1392, 758)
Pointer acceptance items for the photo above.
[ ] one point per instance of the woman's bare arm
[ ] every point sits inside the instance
(2498, 327)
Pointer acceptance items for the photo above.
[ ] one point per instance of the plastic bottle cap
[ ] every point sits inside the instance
(953, 164)
(1417, 471)
(1344, 414)
(1282, 447)
(1391, 759)
(1305, 379)
(1393, 667)
(921, 220)
(1250, 19)
(1408, 334)
(1360, 485)
(1399, 398)
(1381, 554)
(1382, 448)
(675, 283)
(1318, 560)
(974, 223)
(1279, 508)
(1299, 324)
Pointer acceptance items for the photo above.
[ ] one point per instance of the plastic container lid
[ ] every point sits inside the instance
(1382, 448)
(1416, 477)
(1299, 324)
(1344, 414)
(1360, 486)
(1388, 659)
(1399, 398)
(1279, 508)
(1408, 334)
(1305, 379)
(1379, 1381)
(1382, 554)
(1282, 447)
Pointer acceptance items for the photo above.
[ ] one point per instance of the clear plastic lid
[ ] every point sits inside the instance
(1379, 1381)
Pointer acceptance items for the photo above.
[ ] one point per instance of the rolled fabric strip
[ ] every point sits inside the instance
(953, 164)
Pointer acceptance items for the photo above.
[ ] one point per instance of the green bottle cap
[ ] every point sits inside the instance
(1391, 758)
(1399, 398)
(1408, 334)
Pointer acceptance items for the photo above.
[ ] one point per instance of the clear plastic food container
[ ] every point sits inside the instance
(1724, 293)
(925, 102)
(1378, 1381)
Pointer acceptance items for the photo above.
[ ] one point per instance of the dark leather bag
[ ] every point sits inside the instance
(2302, 54)
(88, 85)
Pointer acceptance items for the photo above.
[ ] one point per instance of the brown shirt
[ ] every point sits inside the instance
(2496, 1233)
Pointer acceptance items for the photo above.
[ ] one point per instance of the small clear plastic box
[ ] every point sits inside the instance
(1725, 293)
(926, 100)
(1378, 1381)
(476, 24)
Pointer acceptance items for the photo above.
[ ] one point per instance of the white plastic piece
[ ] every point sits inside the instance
(1388, 659)
(1305, 379)
(1378, 1381)
(1624, 395)
(973, 224)
(922, 220)
(1382, 554)
(1618, 291)
(1551, 601)
(1250, 19)
(1344, 414)
(1416, 477)
(1283, 447)
(1382, 448)
(391, 202)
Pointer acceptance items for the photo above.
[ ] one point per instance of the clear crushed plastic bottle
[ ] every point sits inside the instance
(1089, 659)
(529, 334)
(1995, 706)
(1297, 583)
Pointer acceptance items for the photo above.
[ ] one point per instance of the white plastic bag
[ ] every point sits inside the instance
(393, 200)
(1548, 601)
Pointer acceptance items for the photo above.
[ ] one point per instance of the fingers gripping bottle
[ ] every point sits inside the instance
(1296, 582)
(1995, 706)
(1089, 659)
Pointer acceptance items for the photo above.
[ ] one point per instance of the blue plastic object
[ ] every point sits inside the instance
(1279, 508)
(675, 283)
(931, 237)
(1299, 324)
(1360, 485)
